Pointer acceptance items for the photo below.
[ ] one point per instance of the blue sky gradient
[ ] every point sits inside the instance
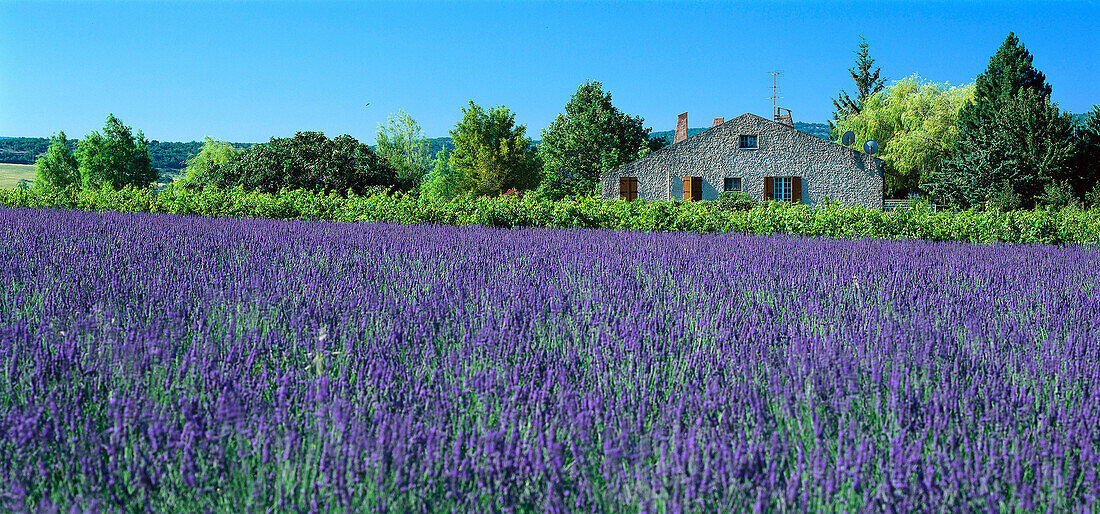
(249, 70)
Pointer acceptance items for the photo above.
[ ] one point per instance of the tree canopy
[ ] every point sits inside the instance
(492, 154)
(115, 158)
(590, 138)
(1010, 135)
(203, 165)
(58, 167)
(309, 160)
(402, 143)
(914, 123)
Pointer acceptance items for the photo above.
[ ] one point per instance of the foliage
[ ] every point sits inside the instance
(401, 142)
(590, 138)
(58, 167)
(442, 183)
(1092, 197)
(867, 83)
(1009, 71)
(492, 154)
(1005, 198)
(914, 123)
(116, 158)
(1069, 226)
(1057, 195)
(1009, 131)
(734, 201)
(309, 160)
(202, 166)
(165, 155)
(1028, 143)
(1086, 164)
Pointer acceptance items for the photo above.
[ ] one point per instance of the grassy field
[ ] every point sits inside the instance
(11, 174)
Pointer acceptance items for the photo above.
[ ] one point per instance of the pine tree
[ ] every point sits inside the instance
(867, 83)
(1010, 131)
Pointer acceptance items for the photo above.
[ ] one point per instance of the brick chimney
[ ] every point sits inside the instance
(681, 128)
(717, 121)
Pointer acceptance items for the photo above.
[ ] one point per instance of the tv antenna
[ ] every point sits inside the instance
(775, 88)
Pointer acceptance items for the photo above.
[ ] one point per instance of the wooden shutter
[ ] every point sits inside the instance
(628, 188)
(693, 188)
(796, 189)
(769, 188)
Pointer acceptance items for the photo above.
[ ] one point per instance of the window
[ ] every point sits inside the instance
(733, 183)
(628, 188)
(782, 189)
(693, 188)
(748, 141)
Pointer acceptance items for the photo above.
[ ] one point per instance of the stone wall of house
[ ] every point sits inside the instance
(826, 168)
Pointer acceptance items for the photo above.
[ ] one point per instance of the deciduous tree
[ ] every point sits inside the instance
(590, 138)
(115, 158)
(402, 143)
(492, 154)
(202, 166)
(914, 123)
(58, 167)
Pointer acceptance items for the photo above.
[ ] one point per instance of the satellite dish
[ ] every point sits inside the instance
(870, 147)
(848, 138)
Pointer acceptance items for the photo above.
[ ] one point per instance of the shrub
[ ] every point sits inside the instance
(734, 201)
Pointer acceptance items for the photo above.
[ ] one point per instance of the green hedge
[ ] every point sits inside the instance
(1039, 226)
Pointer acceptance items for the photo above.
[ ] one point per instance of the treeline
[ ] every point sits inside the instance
(999, 143)
(919, 221)
(488, 154)
(165, 155)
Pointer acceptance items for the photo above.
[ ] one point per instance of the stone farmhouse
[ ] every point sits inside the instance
(767, 159)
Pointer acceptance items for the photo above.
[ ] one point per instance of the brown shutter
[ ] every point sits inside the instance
(628, 188)
(769, 188)
(796, 189)
(693, 188)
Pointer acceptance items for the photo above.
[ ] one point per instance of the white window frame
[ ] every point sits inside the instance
(782, 189)
(742, 141)
(739, 183)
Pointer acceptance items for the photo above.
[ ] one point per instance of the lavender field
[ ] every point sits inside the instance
(169, 363)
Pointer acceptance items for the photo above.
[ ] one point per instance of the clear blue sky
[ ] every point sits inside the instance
(249, 70)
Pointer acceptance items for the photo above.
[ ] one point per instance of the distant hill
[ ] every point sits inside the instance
(166, 155)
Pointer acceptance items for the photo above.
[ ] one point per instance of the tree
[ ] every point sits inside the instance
(1009, 71)
(58, 167)
(867, 83)
(441, 182)
(116, 158)
(492, 154)
(914, 123)
(590, 138)
(201, 166)
(402, 143)
(1026, 146)
(1009, 132)
(1086, 164)
(309, 160)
